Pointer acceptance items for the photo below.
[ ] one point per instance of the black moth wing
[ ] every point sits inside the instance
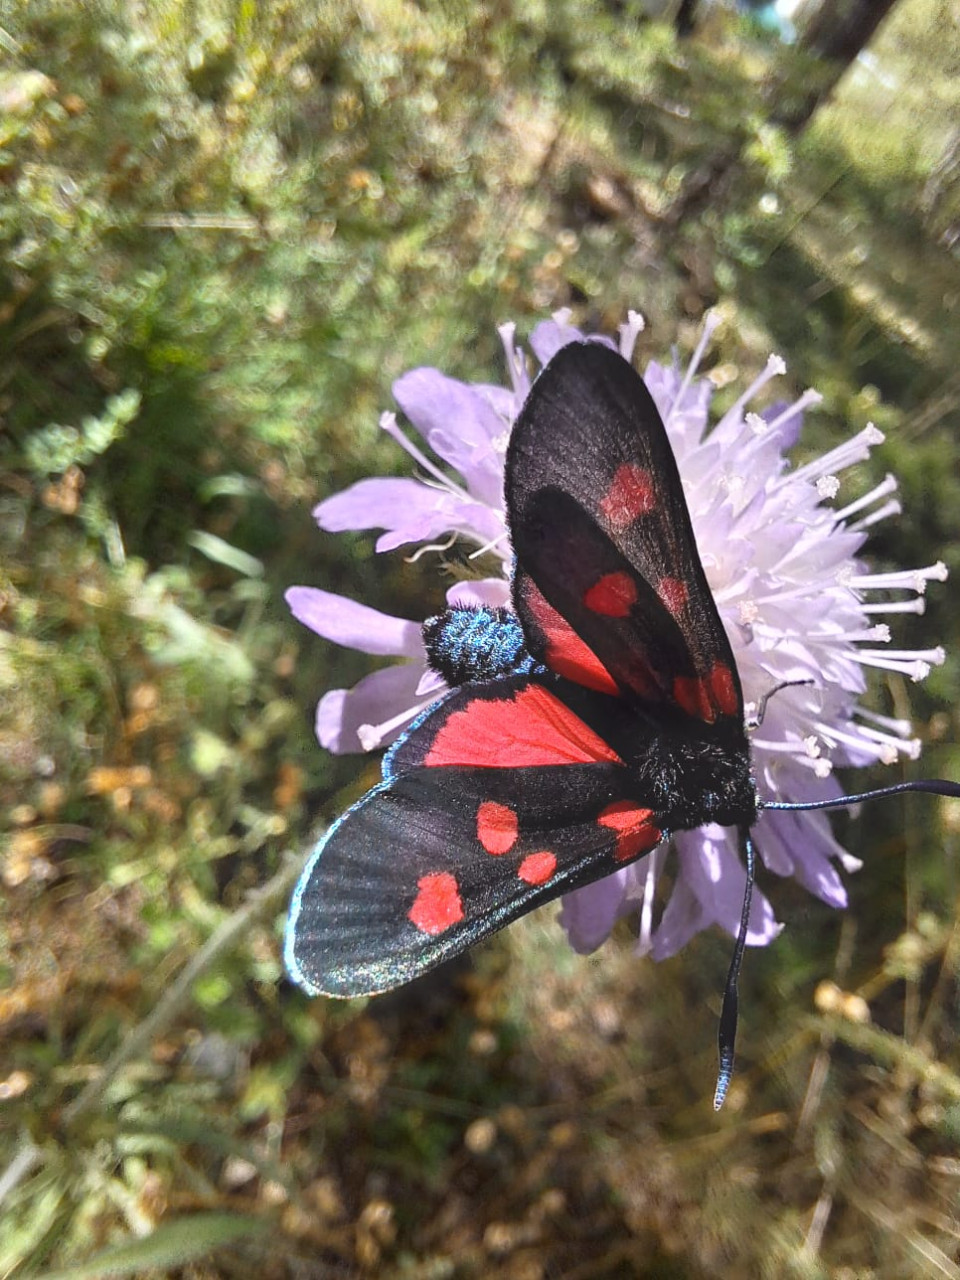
(633, 637)
(471, 828)
(604, 544)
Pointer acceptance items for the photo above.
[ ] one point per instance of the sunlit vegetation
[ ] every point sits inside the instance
(225, 227)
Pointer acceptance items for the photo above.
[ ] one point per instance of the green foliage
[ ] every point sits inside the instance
(225, 227)
(55, 449)
(170, 1245)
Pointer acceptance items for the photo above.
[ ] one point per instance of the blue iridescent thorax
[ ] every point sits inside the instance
(476, 644)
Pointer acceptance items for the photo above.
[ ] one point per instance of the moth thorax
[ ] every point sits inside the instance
(698, 780)
(475, 644)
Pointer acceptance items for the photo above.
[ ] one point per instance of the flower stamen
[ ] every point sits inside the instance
(711, 321)
(896, 580)
(373, 735)
(886, 486)
(629, 333)
(891, 508)
(644, 941)
(774, 368)
(493, 544)
(857, 449)
(388, 423)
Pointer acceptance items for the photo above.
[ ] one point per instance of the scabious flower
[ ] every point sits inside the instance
(781, 559)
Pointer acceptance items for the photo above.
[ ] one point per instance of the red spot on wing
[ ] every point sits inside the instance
(631, 494)
(537, 868)
(673, 592)
(564, 651)
(724, 689)
(635, 831)
(613, 595)
(529, 727)
(437, 905)
(692, 695)
(497, 827)
(710, 696)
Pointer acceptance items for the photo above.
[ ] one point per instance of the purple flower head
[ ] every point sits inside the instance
(781, 555)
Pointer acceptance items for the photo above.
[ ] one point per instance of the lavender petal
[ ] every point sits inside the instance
(356, 626)
(709, 891)
(588, 914)
(459, 424)
(376, 699)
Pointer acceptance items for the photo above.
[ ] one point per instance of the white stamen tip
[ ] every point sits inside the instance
(629, 333)
(759, 426)
(733, 484)
(369, 736)
(873, 435)
(516, 361)
(918, 671)
(939, 571)
(888, 754)
(749, 612)
(828, 486)
(776, 364)
(562, 316)
(812, 747)
(823, 768)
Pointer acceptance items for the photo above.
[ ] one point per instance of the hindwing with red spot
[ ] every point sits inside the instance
(421, 861)
(609, 585)
(455, 843)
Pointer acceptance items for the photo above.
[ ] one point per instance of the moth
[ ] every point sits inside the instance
(600, 715)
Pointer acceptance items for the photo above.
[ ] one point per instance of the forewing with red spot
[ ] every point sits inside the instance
(609, 585)
(631, 627)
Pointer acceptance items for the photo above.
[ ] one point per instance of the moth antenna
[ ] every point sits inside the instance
(933, 786)
(727, 1034)
(762, 704)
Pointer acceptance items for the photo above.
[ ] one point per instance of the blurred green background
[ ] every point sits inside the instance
(225, 227)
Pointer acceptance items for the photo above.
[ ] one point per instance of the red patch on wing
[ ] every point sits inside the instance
(613, 595)
(691, 694)
(673, 592)
(530, 727)
(631, 495)
(565, 653)
(636, 833)
(537, 868)
(724, 689)
(707, 697)
(497, 827)
(437, 905)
